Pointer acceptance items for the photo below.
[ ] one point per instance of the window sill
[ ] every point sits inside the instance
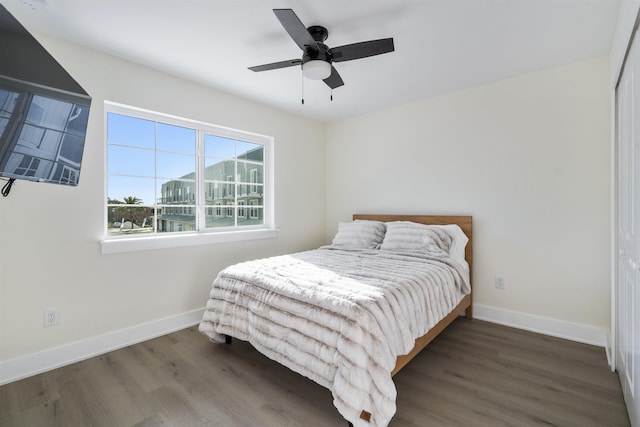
(135, 244)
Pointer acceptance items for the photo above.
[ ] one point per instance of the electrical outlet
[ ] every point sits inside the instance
(500, 282)
(50, 317)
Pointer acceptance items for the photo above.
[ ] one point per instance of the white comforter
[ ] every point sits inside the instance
(339, 317)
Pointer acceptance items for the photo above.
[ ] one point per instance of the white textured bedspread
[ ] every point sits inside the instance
(339, 317)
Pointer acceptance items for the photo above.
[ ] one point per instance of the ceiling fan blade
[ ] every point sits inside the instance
(334, 80)
(295, 28)
(361, 50)
(276, 65)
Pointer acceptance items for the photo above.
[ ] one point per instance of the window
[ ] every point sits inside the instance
(241, 209)
(254, 213)
(69, 175)
(254, 180)
(28, 166)
(170, 175)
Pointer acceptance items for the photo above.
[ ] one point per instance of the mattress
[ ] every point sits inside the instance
(339, 316)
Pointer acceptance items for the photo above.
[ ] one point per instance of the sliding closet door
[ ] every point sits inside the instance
(628, 268)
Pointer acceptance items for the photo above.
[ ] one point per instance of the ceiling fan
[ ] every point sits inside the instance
(318, 58)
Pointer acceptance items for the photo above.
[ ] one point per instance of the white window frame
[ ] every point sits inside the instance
(204, 235)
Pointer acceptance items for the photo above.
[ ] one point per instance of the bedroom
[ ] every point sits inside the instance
(532, 166)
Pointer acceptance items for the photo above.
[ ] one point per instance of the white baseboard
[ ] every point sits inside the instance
(610, 354)
(42, 361)
(543, 325)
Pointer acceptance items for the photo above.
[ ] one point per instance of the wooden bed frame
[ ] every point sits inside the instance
(465, 223)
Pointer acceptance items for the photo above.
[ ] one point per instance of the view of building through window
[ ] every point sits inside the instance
(156, 184)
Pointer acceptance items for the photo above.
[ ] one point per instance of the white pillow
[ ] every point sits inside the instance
(360, 234)
(411, 236)
(459, 242)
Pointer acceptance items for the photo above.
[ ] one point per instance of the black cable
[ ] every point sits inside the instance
(7, 187)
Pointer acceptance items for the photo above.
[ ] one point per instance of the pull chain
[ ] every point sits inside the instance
(302, 84)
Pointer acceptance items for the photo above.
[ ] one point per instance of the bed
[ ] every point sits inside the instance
(352, 314)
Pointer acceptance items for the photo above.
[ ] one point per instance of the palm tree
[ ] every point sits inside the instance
(132, 200)
(134, 214)
(113, 212)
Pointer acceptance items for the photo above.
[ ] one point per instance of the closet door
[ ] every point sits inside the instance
(628, 268)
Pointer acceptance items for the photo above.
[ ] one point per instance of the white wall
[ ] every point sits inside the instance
(527, 157)
(49, 235)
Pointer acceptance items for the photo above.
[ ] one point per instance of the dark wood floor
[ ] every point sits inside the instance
(474, 374)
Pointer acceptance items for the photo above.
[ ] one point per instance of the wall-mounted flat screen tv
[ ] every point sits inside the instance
(43, 111)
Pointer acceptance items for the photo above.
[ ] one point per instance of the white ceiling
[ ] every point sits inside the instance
(440, 45)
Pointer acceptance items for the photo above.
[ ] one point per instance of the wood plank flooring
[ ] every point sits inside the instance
(474, 374)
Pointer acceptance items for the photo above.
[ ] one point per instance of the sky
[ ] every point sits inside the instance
(143, 154)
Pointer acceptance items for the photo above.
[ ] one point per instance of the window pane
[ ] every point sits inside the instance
(220, 216)
(250, 172)
(249, 151)
(121, 187)
(129, 220)
(220, 147)
(210, 191)
(175, 165)
(245, 190)
(226, 193)
(176, 139)
(255, 216)
(219, 192)
(175, 191)
(130, 131)
(131, 161)
(176, 218)
(219, 170)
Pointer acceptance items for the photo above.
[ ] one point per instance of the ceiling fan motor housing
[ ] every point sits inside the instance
(322, 54)
(319, 34)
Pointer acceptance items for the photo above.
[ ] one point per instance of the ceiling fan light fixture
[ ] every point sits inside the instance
(316, 69)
